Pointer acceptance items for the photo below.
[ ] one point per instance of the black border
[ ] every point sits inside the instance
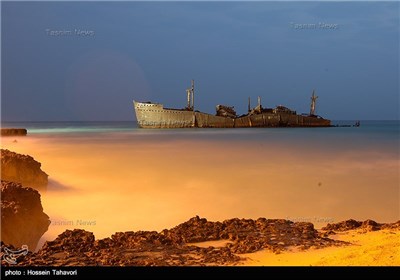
(132, 272)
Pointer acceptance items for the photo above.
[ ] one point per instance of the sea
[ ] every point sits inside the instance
(378, 132)
(107, 177)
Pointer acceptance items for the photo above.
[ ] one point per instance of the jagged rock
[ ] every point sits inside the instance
(22, 169)
(171, 248)
(367, 225)
(22, 219)
(394, 226)
(370, 225)
(343, 226)
(71, 241)
(13, 132)
(196, 230)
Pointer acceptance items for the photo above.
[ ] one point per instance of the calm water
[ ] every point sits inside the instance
(382, 135)
(371, 128)
(113, 176)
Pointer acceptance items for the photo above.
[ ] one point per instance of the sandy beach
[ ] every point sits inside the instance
(375, 248)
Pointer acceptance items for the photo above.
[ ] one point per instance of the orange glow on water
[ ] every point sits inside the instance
(105, 186)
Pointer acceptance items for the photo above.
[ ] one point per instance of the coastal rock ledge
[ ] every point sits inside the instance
(179, 246)
(184, 245)
(23, 221)
(13, 132)
(22, 169)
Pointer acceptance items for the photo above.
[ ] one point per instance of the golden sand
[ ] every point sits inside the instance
(375, 248)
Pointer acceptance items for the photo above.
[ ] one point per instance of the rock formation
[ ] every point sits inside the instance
(13, 132)
(22, 219)
(178, 246)
(174, 247)
(22, 169)
(367, 225)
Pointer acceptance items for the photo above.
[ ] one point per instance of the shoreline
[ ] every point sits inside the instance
(233, 242)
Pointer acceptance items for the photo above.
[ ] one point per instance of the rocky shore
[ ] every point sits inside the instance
(181, 245)
(23, 169)
(23, 221)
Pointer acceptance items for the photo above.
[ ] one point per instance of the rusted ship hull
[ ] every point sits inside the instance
(281, 120)
(152, 115)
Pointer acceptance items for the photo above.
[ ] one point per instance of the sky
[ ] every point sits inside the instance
(87, 61)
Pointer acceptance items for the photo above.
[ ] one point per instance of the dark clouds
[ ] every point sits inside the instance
(89, 60)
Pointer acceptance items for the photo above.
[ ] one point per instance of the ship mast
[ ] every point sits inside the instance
(313, 101)
(190, 97)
